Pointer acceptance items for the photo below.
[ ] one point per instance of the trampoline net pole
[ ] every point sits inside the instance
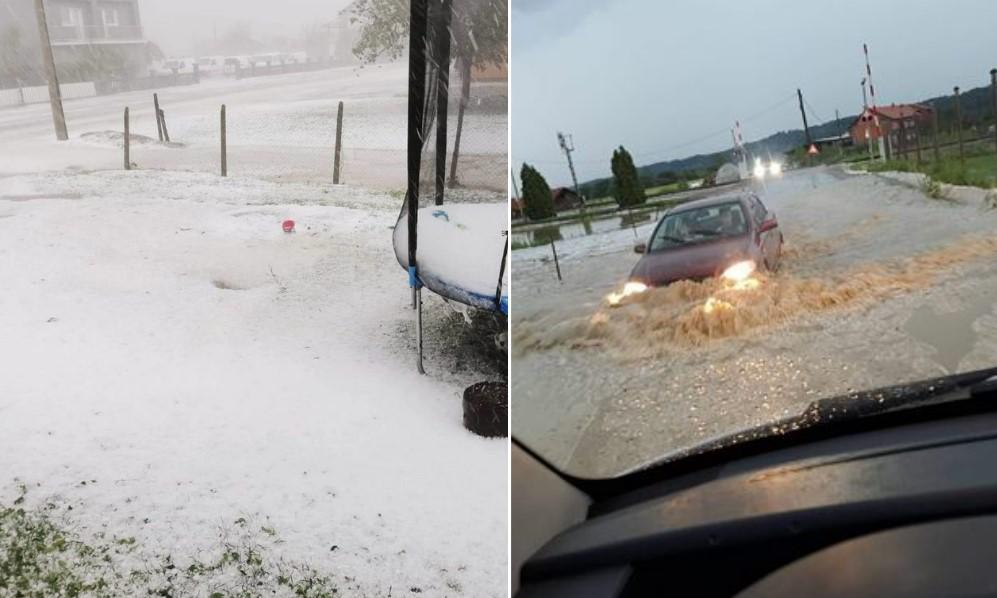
(416, 98)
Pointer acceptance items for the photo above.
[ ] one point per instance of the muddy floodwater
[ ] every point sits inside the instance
(879, 285)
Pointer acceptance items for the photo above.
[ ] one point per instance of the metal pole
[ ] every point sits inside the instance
(442, 95)
(568, 145)
(224, 144)
(339, 145)
(872, 97)
(128, 138)
(54, 92)
(958, 127)
(556, 264)
(416, 98)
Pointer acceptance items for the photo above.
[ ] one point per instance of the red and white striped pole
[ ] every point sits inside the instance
(739, 141)
(872, 98)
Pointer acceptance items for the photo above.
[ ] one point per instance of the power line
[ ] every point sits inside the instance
(813, 112)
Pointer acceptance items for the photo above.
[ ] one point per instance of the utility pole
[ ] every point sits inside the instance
(568, 146)
(958, 127)
(837, 129)
(806, 127)
(54, 94)
(993, 104)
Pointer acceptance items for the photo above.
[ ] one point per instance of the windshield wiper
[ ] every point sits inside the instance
(672, 239)
(707, 233)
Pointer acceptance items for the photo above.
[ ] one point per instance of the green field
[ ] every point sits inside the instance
(980, 170)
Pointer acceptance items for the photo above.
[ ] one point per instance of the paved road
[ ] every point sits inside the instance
(880, 285)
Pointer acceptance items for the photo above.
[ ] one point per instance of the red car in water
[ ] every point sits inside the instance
(705, 238)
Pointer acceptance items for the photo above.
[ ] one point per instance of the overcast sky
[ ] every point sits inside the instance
(175, 24)
(668, 79)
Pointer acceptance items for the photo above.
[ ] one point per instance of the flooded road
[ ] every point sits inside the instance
(880, 285)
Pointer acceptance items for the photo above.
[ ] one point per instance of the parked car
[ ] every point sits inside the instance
(211, 65)
(172, 66)
(234, 63)
(731, 236)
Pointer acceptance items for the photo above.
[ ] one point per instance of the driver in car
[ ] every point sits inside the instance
(728, 223)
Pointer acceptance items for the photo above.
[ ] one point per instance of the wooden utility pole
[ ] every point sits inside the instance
(128, 138)
(339, 145)
(993, 104)
(806, 127)
(958, 127)
(54, 93)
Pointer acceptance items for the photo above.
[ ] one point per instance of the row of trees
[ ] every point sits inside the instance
(627, 187)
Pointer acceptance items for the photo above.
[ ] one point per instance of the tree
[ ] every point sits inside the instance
(628, 190)
(479, 38)
(538, 203)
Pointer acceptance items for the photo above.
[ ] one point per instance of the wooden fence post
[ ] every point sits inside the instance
(159, 122)
(224, 146)
(339, 144)
(128, 141)
(166, 132)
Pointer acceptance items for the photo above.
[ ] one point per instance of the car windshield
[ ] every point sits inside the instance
(868, 214)
(700, 224)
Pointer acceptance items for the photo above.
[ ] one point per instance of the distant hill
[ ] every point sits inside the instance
(975, 105)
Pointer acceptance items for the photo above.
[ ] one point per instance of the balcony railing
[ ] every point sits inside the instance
(95, 34)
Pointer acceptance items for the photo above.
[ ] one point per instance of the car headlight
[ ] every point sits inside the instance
(759, 170)
(631, 288)
(775, 169)
(739, 271)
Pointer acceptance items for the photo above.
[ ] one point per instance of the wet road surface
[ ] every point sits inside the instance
(880, 285)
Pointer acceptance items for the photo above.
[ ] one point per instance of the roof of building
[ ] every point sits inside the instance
(894, 112)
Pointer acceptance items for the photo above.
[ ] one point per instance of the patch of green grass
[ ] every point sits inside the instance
(41, 556)
(980, 170)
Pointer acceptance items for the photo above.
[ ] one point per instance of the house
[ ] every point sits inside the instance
(516, 204)
(565, 199)
(899, 123)
(90, 39)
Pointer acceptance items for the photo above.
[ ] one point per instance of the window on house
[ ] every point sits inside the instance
(110, 17)
(71, 17)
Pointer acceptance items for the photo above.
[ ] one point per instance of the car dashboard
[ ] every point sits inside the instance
(905, 510)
